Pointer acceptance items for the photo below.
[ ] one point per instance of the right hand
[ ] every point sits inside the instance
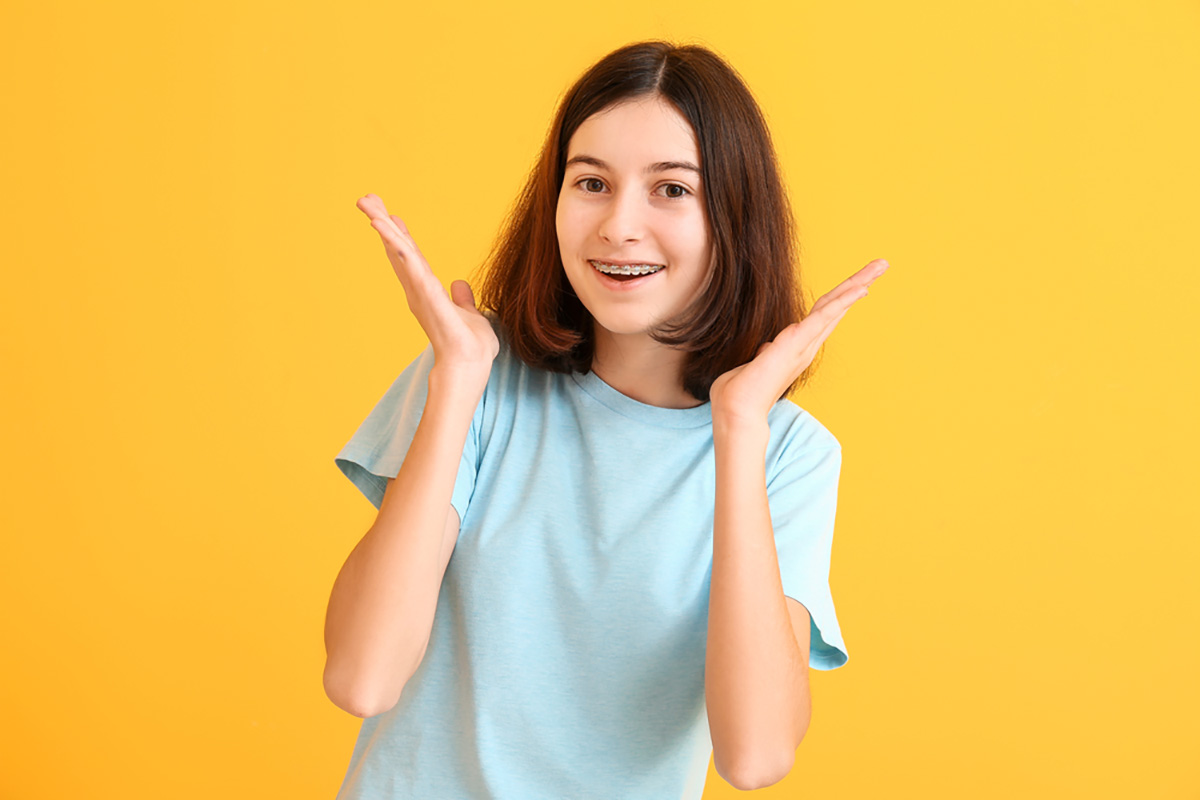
(462, 337)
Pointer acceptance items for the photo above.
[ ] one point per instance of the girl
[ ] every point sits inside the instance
(602, 548)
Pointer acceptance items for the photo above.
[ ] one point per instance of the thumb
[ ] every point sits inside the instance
(460, 293)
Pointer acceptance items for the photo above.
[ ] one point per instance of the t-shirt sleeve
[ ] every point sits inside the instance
(803, 503)
(377, 449)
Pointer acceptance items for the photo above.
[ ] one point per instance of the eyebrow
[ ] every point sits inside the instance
(660, 166)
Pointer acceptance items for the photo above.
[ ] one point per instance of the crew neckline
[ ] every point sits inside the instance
(623, 404)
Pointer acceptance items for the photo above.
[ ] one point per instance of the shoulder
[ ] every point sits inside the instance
(510, 376)
(508, 367)
(799, 444)
(794, 428)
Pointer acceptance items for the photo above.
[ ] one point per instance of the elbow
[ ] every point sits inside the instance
(747, 775)
(348, 690)
(351, 698)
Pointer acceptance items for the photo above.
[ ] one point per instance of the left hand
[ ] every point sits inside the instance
(748, 392)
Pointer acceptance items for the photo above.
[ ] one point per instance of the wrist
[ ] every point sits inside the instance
(452, 383)
(739, 430)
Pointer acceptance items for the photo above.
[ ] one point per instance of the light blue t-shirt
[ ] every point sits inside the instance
(566, 658)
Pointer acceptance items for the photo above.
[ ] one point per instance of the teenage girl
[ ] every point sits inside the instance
(602, 547)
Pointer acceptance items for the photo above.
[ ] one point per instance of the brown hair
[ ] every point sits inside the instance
(753, 291)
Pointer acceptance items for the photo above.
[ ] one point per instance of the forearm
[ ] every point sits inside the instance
(755, 678)
(382, 605)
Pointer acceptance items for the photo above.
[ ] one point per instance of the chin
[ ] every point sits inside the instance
(618, 325)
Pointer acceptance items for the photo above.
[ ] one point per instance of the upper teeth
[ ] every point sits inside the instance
(627, 269)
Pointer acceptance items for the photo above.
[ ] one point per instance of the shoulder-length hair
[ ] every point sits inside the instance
(753, 291)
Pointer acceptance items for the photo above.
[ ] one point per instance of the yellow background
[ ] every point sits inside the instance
(195, 318)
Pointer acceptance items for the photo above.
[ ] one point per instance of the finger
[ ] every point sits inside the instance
(408, 238)
(861, 279)
(828, 329)
(393, 239)
(832, 314)
(833, 306)
(392, 229)
(460, 293)
(400, 224)
(800, 341)
(795, 356)
(810, 351)
(376, 211)
(373, 207)
(407, 262)
(868, 274)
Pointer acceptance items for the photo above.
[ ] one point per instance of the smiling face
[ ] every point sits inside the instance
(631, 198)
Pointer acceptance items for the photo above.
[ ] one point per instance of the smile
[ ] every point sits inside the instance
(626, 269)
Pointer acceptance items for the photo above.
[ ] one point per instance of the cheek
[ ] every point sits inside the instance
(566, 221)
(696, 240)
(558, 220)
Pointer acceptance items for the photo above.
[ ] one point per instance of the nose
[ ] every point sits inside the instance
(623, 221)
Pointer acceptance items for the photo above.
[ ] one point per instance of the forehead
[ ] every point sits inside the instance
(634, 133)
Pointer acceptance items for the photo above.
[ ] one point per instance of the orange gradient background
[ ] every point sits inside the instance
(195, 318)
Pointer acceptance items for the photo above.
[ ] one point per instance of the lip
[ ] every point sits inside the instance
(616, 262)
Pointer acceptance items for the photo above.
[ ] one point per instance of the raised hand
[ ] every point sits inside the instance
(747, 392)
(462, 337)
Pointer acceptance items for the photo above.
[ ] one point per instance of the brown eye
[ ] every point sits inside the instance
(682, 191)
(587, 183)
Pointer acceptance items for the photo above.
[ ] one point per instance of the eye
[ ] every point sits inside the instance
(594, 186)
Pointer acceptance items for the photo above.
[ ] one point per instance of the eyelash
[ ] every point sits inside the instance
(686, 191)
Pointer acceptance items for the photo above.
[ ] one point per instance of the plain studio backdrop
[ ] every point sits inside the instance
(195, 317)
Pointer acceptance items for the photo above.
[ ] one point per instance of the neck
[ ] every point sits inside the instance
(641, 368)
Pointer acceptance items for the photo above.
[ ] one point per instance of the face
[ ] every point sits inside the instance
(631, 197)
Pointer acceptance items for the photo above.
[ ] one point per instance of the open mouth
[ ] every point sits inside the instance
(625, 273)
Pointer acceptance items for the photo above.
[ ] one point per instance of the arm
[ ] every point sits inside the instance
(756, 666)
(756, 663)
(381, 609)
(382, 605)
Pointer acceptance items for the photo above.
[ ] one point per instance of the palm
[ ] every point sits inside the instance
(459, 333)
(749, 390)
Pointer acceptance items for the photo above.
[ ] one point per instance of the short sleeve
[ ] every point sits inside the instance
(377, 449)
(802, 497)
